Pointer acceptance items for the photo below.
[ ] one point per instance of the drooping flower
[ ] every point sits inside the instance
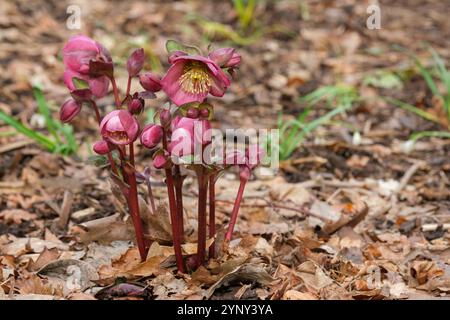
(150, 82)
(78, 52)
(151, 135)
(119, 127)
(69, 110)
(135, 62)
(192, 77)
(225, 57)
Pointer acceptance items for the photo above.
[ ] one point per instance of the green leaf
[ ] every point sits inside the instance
(172, 46)
(80, 83)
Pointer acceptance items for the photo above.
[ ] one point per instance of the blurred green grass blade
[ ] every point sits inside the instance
(428, 78)
(411, 108)
(71, 145)
(444, 76)
(44, 109)
(41, 139)
(311, 126)
(424, 134)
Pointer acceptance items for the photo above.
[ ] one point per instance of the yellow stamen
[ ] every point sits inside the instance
(196, 78)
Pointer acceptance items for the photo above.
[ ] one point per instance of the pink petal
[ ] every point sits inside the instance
(99, 86)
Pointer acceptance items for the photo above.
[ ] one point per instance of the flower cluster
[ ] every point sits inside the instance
(180, 127)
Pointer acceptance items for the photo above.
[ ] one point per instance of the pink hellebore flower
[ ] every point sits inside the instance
(77, 53)
(151, 135)
(191, 78)
(119, 127)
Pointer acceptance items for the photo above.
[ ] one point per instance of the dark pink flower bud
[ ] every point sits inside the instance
(164, 117)
(151, 135)
(222, 56)
(192, 113)
(69, 110)
(160, 161)
(101, 147)
(135, 106)
(204, 113)
(150, 82)
(119, 127)
(234, 61)
(135, 62)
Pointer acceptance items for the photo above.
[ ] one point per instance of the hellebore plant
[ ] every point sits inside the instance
(180, 130)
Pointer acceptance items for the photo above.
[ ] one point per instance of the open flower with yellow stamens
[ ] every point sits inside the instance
(192, 77)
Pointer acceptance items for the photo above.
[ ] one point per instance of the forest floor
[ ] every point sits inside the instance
(347, 216)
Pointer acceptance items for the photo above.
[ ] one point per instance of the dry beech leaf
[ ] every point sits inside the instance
(46, 256)
(16, 216)
(35, 285)
(313, 276)
(147, 268)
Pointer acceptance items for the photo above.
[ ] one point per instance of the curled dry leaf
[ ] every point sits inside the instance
(76, 275)
(106, 230)
(245, 272)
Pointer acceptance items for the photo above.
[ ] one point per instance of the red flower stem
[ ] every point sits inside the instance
(133, 204)
(116, 92)
(234, 213)
(132, 153)
(202, 195)
(99, 119)
(178, 182)
(173, 214)
(212, 213)
(128, 87)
